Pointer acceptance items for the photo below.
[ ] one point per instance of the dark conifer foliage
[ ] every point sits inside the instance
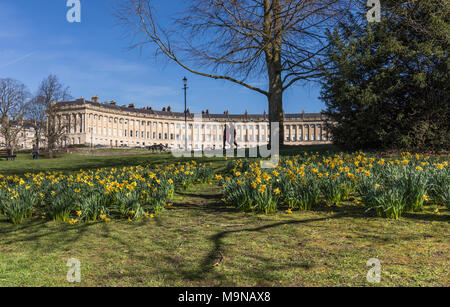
(387, 84)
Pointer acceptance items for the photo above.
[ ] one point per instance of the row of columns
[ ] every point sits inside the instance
(318, 133)
(94, 126)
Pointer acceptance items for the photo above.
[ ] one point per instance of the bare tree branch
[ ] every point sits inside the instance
(279, 41)
(13, 107)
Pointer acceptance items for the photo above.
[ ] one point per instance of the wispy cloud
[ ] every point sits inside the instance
(17, 60)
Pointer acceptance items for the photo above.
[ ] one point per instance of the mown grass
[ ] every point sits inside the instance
(75, 162)
(201, 242)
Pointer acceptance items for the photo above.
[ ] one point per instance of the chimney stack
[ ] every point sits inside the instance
(169, 109)
(95, 99)
(131, 106)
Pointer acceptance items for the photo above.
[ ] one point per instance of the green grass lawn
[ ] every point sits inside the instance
(202, 242)
(74, 162)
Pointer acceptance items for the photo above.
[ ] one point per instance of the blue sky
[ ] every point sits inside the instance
(92, 58)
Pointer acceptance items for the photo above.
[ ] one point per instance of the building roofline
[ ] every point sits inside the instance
(151, 111)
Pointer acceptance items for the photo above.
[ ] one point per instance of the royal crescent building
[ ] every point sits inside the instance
(95, 123)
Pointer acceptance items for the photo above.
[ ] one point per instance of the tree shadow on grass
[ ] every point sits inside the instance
(427, 217)
(208, 263)
(94, 163)
(205, 208)
(349, 210)
(37, 232)
(196, 195)
(176, 268)
(8, 227)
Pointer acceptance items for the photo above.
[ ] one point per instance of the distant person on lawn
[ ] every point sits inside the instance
(35, 152)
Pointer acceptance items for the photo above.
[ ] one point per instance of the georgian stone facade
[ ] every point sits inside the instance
(93, 123)
(25, 139)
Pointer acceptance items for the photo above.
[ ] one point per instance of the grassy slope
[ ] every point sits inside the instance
(202, 242)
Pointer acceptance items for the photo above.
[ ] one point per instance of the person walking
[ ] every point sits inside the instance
(35, 152)
(229, 136)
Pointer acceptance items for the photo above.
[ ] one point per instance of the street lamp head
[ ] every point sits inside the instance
(185, 81)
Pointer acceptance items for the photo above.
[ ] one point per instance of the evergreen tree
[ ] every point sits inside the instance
(387, 84)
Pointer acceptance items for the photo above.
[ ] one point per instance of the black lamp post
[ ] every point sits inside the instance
(185, 113)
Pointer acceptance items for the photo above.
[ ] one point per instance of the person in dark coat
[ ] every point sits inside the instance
(35, 152)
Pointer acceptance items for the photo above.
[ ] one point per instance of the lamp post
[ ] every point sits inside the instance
(185, 113)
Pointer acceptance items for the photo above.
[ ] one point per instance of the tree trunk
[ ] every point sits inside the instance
(276, 101)
(274, 41)
(276, 116)
(38, 143)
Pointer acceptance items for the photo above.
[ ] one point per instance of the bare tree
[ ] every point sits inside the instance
(279, 41)
(36, 114)
(13, 107)
(44, 112)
